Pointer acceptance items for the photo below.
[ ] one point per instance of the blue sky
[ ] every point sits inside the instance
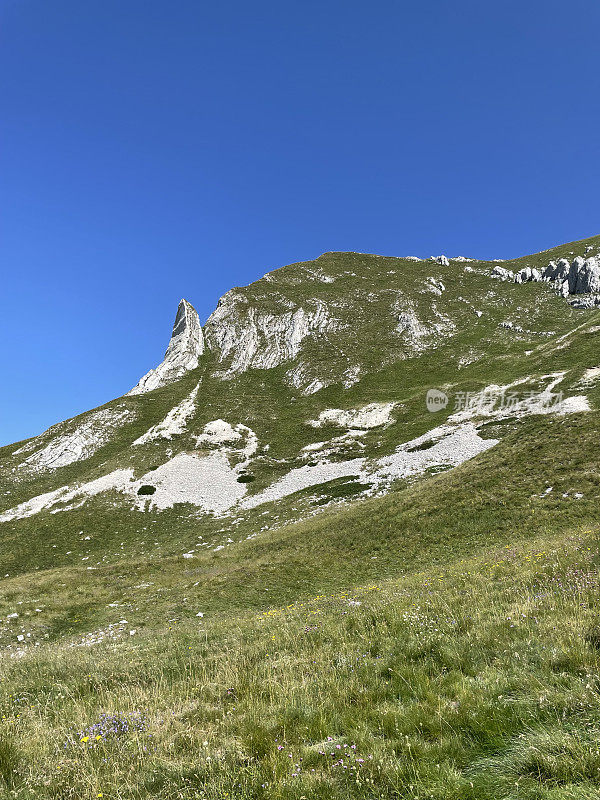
(152, 150)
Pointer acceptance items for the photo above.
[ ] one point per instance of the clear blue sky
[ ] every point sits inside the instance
(154, 149)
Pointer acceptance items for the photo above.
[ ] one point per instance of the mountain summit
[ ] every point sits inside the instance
(185, 347)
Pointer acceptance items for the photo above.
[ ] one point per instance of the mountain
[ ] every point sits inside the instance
(362, 471)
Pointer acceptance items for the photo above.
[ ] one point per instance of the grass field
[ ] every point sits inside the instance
(434, 643)
(479, 680)
(440, 642)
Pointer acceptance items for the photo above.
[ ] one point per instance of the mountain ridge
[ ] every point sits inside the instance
(337, 321)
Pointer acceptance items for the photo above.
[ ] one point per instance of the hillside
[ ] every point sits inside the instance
(270, 570)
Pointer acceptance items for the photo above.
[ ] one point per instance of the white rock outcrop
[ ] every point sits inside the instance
(581, 276)
(301, 376)
(435, 286)
(77, 444)
(218, 433)
(527, 275)
(61, 499)
(365, 418)
(183, 353)
(503, 274)
(206, 481)
(412, 328)
(247, 337)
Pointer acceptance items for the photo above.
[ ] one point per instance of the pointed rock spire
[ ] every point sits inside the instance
(183, 352)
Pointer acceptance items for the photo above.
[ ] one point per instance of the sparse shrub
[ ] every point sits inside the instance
(245, 479)
(146, 489)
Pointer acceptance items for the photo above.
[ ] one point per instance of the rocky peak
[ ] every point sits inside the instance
(183, 352)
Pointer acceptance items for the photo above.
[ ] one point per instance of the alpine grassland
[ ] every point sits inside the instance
(476, 680)
(431, 633)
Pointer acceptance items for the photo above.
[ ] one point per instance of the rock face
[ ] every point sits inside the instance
(528, 274)
(245, 337)
(581, 276)
(184, 350)
(76, 444)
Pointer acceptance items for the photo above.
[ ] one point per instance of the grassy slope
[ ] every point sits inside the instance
(469, 670)
(427, 675)
(465, 681)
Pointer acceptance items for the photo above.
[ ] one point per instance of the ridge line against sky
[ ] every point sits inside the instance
(154, 151)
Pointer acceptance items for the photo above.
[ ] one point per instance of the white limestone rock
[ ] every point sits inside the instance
(503, 274)
(528, 274)
(61, 499)
(557, 270)
(365, 418)
(588, 275)
(447, 446)
(412, 328)
(441, 260)
(313, 387)
(589, 377)
(581, 276)
(303, 478)
(206, 481)
(417, 335)
(218, 433)
(510, 326)
(77, 444)
(184, 350)
(585, 302)
(246, 337)
(435, 286)
(301, 376)
(351, 376)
